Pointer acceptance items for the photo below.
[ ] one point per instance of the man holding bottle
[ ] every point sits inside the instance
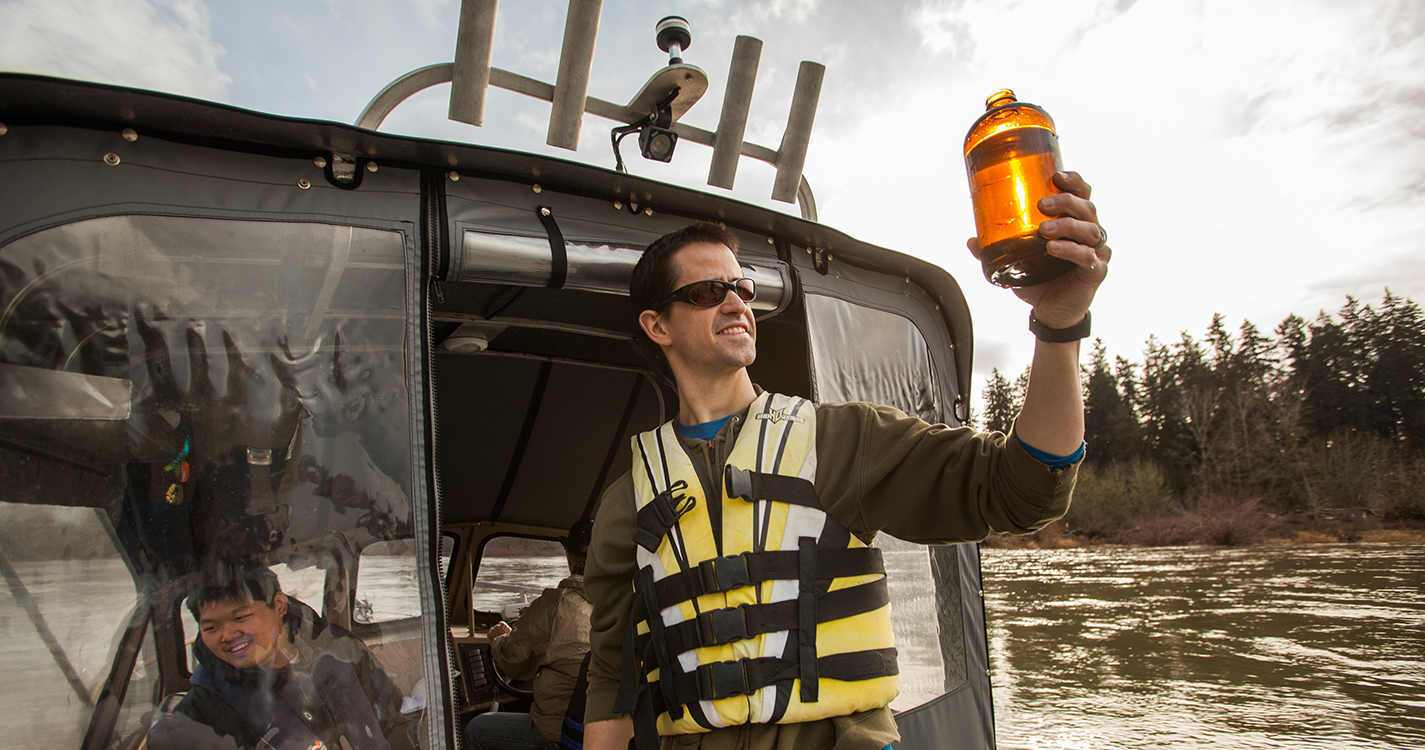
(799, 666)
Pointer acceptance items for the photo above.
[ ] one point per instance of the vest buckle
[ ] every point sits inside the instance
(738, 483)
(723, 626)
(723, 679)
(669, 507)
(724, 573)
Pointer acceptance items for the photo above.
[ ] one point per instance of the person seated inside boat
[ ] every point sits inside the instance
(270, 672)
(547, 646)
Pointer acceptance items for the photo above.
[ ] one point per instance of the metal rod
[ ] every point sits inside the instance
(400, 90)
(736, 102)
(31, 608)
(420, 79)
(793, 153)
(474, 43)
(111, 699)
(806, 201)
(576, 59)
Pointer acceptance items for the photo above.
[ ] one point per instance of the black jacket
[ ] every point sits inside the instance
(205, 719)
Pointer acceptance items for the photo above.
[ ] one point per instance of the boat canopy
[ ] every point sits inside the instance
(213, 342)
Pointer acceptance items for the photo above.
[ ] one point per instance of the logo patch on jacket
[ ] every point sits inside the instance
(778, 415)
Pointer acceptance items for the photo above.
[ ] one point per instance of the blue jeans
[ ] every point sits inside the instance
(505, 731)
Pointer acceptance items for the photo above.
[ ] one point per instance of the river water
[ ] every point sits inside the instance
(1308, 647)
(1186, 647)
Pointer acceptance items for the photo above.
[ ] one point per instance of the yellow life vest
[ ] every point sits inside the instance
(781, 617)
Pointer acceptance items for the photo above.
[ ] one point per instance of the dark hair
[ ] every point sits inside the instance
(576, 542)
(233, 581)
(655, 273)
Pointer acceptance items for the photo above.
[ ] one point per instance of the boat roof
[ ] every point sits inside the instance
(27, 99)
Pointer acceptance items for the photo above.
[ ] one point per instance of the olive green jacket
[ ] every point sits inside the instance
(548, 647)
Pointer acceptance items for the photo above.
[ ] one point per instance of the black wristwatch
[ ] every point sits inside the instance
(1074, 332)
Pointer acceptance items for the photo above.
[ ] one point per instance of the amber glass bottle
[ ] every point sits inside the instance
(1011, 155)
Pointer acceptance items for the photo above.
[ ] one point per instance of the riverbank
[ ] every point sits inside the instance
(1221, 525)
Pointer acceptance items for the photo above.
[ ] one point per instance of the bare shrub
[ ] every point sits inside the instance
(1227, 521)
(1114, 498)
(1220, 520)
(1407, 496)
(1394, 536)
(1353, 470)
(1166, 530)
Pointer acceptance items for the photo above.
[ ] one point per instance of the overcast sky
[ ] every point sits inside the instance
(1250, 157)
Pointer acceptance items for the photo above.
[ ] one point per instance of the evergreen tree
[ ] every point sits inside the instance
(1110, 428)
(1246, 442)
(1288, 414)
(1021, 387)
(1328, 412)
(1159, 404)
(1331, 372)
(1001, 403)
(1395, 375)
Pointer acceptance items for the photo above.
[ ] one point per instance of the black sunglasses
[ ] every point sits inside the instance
(711, 292)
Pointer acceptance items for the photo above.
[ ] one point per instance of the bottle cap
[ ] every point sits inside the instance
(1000, 98)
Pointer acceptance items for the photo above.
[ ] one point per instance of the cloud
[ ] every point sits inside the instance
(164, 45)
(432, 14)
(993, 354)
(870, 50)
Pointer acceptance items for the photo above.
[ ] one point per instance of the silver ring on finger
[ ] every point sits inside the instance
(1103, 238)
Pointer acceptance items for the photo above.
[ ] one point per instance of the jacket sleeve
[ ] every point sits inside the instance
(520, 653)
(880, 470)
(608, 585)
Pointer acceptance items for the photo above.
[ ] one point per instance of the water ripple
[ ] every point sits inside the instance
(1189, 647)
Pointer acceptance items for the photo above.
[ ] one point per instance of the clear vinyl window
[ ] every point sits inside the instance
(68, 596)
(864, 354)
(386, 588)
(182, 391)
(515, 571)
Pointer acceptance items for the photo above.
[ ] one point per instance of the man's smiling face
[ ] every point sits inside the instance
(244, 633)
(709, 340)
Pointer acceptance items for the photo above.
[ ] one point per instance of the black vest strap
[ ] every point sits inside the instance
(721, 626)
(661, 514)
(752, 485)
(810, 611)
(571, 734)
(660, 644)
(736, 571)
(629, 683)
(645, 722)
(728, 678)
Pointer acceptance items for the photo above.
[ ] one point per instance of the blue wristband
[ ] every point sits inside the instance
(1053, 461)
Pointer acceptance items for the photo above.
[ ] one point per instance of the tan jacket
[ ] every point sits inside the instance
(548, 647)
(877, 470)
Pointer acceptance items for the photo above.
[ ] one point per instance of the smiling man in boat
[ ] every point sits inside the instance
(737, 602)
(272, 673)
